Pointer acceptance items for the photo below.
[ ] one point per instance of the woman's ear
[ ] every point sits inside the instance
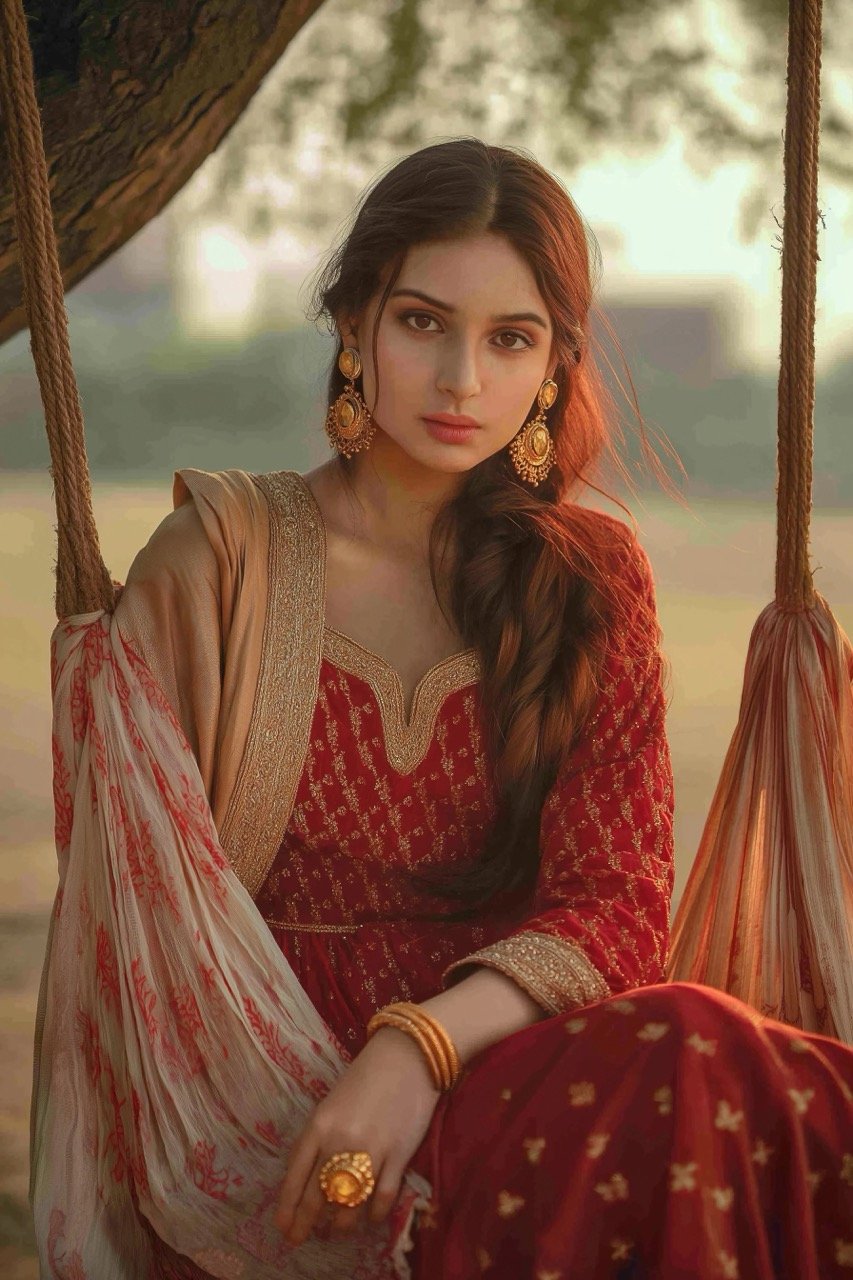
(348, 329)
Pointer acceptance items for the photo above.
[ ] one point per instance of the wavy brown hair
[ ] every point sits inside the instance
(529, 582)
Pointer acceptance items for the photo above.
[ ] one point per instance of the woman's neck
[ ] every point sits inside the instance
(391, 500)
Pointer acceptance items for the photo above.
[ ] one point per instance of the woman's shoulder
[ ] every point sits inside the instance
(238, 495)
(620, 569)
(224, 500)
(232, 508)
(220, 519)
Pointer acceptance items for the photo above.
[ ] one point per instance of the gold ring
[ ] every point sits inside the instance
(347, 1178)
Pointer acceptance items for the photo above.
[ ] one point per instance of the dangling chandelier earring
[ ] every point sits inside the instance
(532, 450)
(349, 424)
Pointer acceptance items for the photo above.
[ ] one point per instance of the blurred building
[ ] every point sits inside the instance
(687, 338)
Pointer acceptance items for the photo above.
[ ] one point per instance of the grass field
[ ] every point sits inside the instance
(714, 570)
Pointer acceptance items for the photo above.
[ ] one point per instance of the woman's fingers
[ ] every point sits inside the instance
(303, 1206)
(345, 1219)
(303, 1157)
(375, 1208)
(385, 1193)
(309, 1209)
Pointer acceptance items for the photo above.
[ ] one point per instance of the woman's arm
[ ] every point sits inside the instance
(194, 607)
(169, 612)
(482, 1009)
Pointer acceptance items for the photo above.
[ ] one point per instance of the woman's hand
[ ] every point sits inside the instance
(382, 1104)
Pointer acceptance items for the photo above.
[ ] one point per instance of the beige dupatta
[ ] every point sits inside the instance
(226, 605)
(177, 1056)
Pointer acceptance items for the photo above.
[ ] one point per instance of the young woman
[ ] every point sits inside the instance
(424, 691)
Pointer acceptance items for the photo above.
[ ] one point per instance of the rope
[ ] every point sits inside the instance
(82, 581)
(794, 588)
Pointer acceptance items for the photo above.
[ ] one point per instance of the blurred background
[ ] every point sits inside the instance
(664, 119)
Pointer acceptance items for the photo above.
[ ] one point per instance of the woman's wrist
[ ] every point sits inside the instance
(481, 1009)
(409, 1051)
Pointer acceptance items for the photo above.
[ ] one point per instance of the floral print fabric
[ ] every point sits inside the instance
(177, 1057)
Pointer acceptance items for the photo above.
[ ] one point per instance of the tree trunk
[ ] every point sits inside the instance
(133, 97)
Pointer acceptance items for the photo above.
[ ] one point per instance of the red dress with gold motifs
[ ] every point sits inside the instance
(642, 1129)
(381, 792)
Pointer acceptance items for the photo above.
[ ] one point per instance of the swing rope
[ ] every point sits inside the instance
(794, 587)
(83, 583)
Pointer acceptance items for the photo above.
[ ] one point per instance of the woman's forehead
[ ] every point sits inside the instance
(470, 274)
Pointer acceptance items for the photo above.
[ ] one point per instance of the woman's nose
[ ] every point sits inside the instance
(458, 374)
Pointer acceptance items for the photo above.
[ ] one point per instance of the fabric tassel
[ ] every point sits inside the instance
(767, 913)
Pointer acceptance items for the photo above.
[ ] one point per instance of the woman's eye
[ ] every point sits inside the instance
(416, 316)
(420, 320)
(516, 337)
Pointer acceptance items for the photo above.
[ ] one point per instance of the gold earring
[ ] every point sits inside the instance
(532, 450)
(349, 424)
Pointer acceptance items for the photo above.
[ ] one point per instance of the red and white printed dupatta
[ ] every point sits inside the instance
(177, 1056)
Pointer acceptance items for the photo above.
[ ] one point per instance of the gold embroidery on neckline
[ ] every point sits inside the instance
(294, 639)
(406, 743)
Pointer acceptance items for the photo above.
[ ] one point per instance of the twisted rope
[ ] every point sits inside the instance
(795, 423)
(82, 581)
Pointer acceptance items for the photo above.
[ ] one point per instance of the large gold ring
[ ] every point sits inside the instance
(347, 1178)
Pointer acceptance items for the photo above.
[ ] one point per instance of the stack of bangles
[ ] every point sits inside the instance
(436, 1045)
(347, 1177)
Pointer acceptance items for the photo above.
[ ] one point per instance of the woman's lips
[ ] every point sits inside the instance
(451, 430)
(452, 419)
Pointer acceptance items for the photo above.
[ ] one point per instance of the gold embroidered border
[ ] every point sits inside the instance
(288, 681)
(556, 973)
(405, 744)
(312, 928)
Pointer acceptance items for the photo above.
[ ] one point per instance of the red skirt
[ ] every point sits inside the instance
(666, 1133)
(669, 1133)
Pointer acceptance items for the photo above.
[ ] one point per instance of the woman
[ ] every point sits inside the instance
(423, 689)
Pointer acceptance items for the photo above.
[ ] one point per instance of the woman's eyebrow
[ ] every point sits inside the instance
(515, 318)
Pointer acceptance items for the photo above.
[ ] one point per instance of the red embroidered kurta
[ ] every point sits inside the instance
(379, 794)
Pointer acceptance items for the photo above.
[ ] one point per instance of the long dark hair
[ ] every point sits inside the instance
(530, 585)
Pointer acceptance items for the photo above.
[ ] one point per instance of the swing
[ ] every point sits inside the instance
(767, 914)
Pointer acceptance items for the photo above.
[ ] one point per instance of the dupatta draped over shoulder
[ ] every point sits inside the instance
(177, 1056)
(226, 605)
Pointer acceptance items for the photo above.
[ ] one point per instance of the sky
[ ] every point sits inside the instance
(681, 235)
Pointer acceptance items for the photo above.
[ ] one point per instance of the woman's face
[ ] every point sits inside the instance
(465, 331)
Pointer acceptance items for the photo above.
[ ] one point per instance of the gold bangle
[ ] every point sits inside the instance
(439, 1038)
(391, 1019)
(383, 1019)
(438, 1045)
(427, 1019)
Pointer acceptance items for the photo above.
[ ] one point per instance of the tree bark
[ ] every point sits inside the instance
(133, 97)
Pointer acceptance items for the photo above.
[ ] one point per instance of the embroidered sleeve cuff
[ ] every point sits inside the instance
(556, 973)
